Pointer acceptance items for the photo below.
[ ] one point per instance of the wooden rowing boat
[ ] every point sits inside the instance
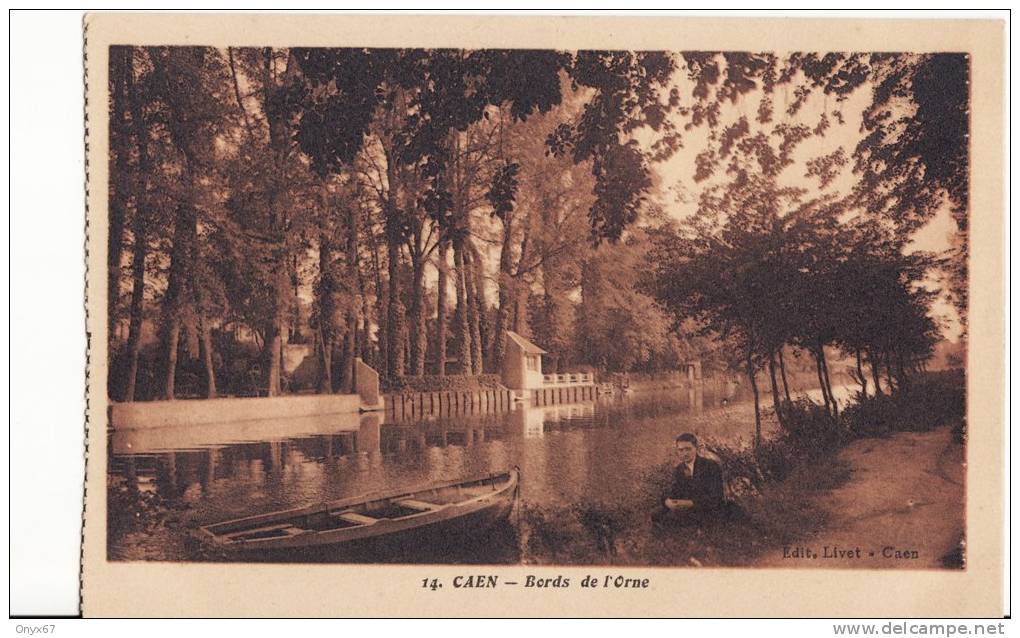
(374, 523)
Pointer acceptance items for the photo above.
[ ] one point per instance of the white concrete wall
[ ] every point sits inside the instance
(155, 414)
(196, 435)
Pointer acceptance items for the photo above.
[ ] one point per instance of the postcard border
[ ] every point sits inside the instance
(211, 590)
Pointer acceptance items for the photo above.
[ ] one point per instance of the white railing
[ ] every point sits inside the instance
(570, 378)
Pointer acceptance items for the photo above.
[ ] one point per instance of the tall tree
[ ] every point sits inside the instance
(270, 202)
(130, 137)
(189, 82)
(915, 156)
(449, 90)
(120, 192)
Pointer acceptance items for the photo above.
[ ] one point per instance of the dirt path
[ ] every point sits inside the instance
(903, 507)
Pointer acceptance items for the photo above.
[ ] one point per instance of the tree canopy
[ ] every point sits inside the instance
(408, 206)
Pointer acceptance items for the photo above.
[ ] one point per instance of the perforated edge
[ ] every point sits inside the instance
(88, 335)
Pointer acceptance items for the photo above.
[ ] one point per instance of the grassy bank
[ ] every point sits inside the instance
(772, 484)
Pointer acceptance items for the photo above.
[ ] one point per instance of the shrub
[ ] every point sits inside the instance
(448, 383)
(926, 402)
(132, 510)
(809, 430)
(810, 434)
(746, 469)
(875, 416)
(604, 523)
(548, 532)
(937, 397)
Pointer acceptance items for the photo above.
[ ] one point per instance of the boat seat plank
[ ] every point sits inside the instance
(354, 517)
(289, 528)
(418, 505)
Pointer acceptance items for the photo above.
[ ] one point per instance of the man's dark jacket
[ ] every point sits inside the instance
(705, 487)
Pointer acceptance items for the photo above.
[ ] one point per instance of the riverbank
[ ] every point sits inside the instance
(903, 506)
(888, 479)
(777, 514)
(900, 499)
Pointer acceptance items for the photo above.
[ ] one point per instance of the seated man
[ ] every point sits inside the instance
(695, 496)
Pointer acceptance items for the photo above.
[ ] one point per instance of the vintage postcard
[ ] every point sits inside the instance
(544, 316)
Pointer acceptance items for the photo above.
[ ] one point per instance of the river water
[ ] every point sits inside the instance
(592, 451)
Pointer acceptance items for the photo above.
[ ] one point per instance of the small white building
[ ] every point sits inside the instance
(522, 363)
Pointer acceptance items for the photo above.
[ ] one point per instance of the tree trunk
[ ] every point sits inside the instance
(394, 313)
(359, 336)
(350, 351)
(551, 338)
(381, 347)
(405, 347)
(327, 311)
(417, 336)
(828, 382)
(379, 353)
(134, 345)
(207, 358)
(325, 364)
(357, 347)
(275, 340)
(485, 337)
(476, 305)
(875, 374)
(364, 349)
(140, 240)
(170, 366)
(757, 404)
(394, 307)
(861, 376)
(173, 298)
(777, 404)
(280, 143)
(520, 309)
(504, 296)
(901, 366)
(503, 315)
(462, 325)
(114, 270)
(340, 370)
(519, 287)
(122, 74)
(443, 265)
(275, 345)
(198, 296)
(782, 373)
(888, 372)
(821, 382)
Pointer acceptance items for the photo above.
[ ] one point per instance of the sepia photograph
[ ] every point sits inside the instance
(540, 307)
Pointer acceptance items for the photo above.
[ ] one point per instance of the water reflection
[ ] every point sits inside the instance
(567, 453)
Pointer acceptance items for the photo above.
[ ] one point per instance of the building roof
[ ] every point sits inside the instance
(526, 346)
